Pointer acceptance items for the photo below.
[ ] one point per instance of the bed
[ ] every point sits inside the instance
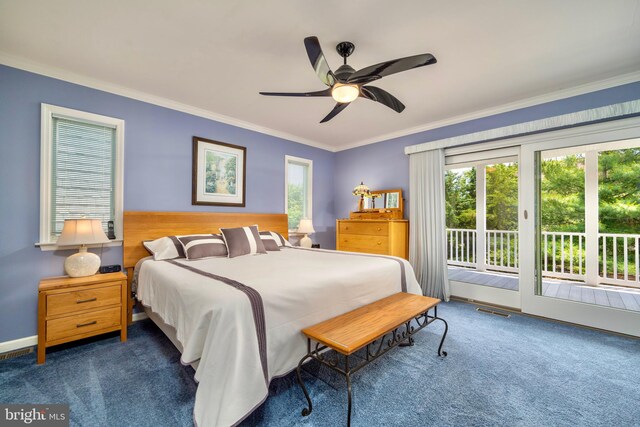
(238, 320)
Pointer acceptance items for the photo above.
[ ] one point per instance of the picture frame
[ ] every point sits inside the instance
(219, 173)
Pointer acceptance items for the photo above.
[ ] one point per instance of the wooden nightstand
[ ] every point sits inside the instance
(71, 308)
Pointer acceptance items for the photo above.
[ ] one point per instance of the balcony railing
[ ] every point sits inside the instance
(563, 254)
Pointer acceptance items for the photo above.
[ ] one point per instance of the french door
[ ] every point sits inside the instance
(482, 226)
(579, 255)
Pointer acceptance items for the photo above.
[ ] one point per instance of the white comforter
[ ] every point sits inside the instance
(216, 324)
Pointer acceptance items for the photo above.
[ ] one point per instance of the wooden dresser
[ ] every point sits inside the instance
(72, 308)
(373, 236)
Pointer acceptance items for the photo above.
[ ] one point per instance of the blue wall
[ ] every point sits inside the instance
(157, 177)
(384, 165)
(158, 171)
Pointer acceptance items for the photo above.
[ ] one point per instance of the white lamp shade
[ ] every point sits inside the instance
(306, 226)
(82, 232)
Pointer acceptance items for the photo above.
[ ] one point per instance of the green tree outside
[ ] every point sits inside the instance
(562, 200)
(295, 205)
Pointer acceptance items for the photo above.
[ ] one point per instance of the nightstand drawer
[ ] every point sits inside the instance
(83, 323)
(366, 228)
(83, 299)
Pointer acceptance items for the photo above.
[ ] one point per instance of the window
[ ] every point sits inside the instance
(81, 170)
(298, 190)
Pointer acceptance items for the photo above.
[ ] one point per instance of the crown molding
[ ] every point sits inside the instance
(524, 103)
(70, 77)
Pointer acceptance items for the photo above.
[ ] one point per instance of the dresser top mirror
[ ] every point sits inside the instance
(385, 199)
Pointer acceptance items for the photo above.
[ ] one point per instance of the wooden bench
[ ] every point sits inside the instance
(376, 328)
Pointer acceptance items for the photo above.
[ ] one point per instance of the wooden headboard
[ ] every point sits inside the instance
(140, 226)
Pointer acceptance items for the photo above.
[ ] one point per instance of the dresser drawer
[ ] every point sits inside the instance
(365, 228)
(82, 299)
(375, 215)
(84, 323)
(362, 243)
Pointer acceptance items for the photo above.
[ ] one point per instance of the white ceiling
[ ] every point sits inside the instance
(216, 55)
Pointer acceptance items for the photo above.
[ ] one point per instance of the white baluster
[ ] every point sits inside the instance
(580, 251)
(570, 254)
(546, 252)
(626, 257)
(604, 256)
(562, 253)
(614, 248)
(554, 252)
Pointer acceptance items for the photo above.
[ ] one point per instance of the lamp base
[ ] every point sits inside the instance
(306, 242)
(82, 264)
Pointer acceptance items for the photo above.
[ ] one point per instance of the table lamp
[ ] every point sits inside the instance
(306, 227)
(362, 191)
(82, 232)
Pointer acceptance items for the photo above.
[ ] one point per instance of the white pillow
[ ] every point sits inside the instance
(168, 247)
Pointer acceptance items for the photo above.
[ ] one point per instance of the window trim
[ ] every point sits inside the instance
(309, 163)
(47, 113)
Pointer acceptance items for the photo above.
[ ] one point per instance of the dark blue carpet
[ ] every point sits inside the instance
(500, 372)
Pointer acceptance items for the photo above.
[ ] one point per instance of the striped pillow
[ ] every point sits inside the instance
(269, 241)
(198, 246)
(281, 240)
(168, 247)
(277, 238)
(243, 241)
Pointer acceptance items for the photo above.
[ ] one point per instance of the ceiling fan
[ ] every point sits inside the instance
(347, 84)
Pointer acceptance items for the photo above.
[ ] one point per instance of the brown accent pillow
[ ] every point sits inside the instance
(243, 241)
(269, 241)
(198, 246)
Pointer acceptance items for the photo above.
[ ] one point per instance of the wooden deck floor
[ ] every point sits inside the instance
(609, 296)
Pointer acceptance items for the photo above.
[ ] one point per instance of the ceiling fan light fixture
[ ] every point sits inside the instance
(344, 93)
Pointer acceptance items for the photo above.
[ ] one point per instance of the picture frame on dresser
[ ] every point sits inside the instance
(219, 173)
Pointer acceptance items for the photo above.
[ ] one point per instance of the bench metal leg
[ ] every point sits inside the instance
(441, 352)
(305, 411)
(348, 375)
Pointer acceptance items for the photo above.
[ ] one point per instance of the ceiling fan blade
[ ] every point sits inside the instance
(377, 71)
(383, 97)
(339, 107)
(326, 92)
(318, 61)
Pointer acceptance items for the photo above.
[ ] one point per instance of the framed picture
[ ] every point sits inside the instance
(219, 173)
(392, 200)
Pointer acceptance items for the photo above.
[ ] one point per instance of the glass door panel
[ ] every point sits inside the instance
(589, 225)
(482, 230)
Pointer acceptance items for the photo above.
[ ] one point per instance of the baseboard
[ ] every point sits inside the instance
(18, 344)
(139, 316)
(548, 319)
(33, 340)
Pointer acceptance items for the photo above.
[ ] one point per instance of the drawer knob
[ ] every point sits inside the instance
(80, 325)
(379, 243)
(346, 228)
(379, 229)
(81, 301)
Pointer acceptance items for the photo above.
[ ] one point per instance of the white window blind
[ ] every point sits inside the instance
(83, 172)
